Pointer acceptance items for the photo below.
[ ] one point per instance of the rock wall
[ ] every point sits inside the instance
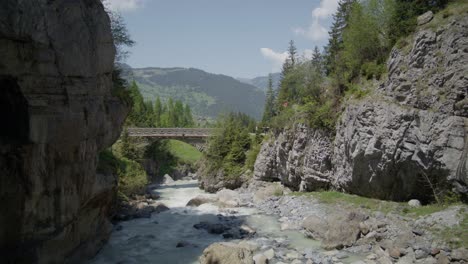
(300, 158)
(57, 112)
(409, 138)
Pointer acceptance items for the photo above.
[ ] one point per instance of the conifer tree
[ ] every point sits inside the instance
(269, 111)
(157, 112)
(335, 42)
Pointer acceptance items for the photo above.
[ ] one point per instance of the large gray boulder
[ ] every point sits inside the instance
(336, 230)
(58, 113)
(227, 253)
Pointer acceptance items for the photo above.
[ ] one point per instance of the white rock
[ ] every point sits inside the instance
(414, 203)
(167, 179)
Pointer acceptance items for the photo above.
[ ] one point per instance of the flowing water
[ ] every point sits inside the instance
(154, 240)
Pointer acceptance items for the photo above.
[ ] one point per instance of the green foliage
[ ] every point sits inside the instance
(321, 115)
(229, 148)
(132, 176)
(355, 91)
(120, 34)
(157, 114)
(252, 156)
(372, 70)
(270, 108)
(284, 119)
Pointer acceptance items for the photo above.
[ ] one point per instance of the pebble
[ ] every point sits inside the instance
(395, 253)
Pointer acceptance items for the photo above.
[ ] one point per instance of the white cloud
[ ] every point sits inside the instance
(123, 5)
(277, 58)
(316, 31)
(307, 54)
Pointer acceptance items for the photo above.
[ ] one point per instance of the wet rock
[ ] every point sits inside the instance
(227, 253)
(247, 230)
(159, 208)
(212, 228)
(228, 198)
(167, 179)
(260, 259)
(199, 200)
(182, 244)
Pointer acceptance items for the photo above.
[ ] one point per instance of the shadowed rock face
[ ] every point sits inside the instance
(410, 134)
(57, 113)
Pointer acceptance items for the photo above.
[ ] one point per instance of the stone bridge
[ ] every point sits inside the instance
(194, 136)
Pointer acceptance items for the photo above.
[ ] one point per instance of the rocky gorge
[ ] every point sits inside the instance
(407, 139)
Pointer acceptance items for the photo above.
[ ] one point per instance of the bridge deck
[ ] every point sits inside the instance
(187, 133)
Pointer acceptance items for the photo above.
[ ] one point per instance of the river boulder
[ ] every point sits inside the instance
(227, 253)
(228, 198)
(199, 200)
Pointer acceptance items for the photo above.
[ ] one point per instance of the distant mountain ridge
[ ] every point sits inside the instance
(261, 82)
(207, 94)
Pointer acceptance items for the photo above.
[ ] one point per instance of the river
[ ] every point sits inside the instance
(154, 240)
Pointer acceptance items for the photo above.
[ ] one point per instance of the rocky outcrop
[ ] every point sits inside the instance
(214, 180)
(413, 139)
(407, 140)
(300, 159)
(57, 112)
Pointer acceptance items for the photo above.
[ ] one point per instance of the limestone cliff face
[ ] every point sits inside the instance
(410, 134)
(300, 158)
(57, 113)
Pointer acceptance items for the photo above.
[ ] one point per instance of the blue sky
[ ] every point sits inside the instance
(237, 38)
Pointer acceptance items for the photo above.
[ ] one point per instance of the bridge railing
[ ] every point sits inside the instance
(170, 132)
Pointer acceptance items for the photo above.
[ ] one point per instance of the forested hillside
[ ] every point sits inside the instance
(261, 82)
(207, 94)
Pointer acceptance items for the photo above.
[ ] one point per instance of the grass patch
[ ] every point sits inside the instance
(455, 8)
(334, 197)
(456, 236)
(184, 152)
